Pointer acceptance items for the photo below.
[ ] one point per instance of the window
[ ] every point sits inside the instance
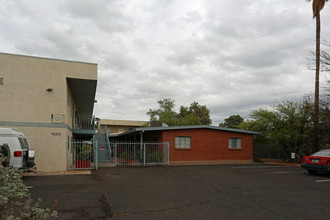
(1, 80)
(183, 142)
(26, 143)
(23, 142)
(235, 143)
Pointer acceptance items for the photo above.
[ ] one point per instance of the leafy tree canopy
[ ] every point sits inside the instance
(287, 126)
(196, 114)
(232, 122)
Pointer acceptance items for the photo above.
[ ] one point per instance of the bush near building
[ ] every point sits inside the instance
(15, 199)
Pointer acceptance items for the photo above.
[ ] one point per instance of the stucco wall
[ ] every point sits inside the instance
(27, 105)
(25, 80)
(49, 145)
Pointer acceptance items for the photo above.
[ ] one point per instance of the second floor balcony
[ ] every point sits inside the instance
(83, 124)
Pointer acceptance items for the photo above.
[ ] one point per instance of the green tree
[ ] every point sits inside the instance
(317, 7)
(285, 127)
(165, 113)
(232, 121)
(15, 200)
(202, 112)
(194, 115)
(325, 116)
(186, 117)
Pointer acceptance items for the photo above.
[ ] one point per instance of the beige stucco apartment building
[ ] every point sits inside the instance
(51, 101)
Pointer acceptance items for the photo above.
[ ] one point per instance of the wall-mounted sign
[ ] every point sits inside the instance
(102, 148)
(58, 118)
(56, 134)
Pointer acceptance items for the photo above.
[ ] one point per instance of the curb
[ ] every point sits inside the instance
(58, 173)
(283, 164)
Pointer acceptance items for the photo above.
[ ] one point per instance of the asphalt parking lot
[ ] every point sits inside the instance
(253, 191)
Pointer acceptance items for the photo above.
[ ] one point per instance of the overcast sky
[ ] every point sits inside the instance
(232, 56)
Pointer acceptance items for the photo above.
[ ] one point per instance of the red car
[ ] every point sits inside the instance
(319, 161)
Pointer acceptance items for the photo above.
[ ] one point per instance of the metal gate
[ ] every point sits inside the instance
(140, 154)
(82, 155)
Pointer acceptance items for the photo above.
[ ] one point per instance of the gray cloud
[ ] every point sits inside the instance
(107, 15)
(233, 56)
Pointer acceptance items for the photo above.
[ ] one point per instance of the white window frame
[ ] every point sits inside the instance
(235, 143)
(183, 142)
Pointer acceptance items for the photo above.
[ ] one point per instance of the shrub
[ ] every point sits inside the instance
(15, 199)
(155, 157)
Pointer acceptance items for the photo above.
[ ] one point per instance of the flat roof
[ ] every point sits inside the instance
(146, 129)
(121, 122)
(46, 58)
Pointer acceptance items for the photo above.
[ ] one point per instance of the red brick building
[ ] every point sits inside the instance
(198, 143)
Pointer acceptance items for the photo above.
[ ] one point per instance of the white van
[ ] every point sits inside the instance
(21, 156)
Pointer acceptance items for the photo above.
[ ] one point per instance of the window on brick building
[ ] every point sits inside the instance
(183, 142)
(235, 143)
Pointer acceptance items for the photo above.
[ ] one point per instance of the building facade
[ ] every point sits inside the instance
(51, 101)
(197, 143)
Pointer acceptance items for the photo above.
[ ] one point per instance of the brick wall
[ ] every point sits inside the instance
(208, 144)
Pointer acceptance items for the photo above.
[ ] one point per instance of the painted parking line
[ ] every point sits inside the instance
(252, 167)
(29, 187)
(287, 172)
(321, 181)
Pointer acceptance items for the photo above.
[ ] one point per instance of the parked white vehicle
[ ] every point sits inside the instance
(21, 157)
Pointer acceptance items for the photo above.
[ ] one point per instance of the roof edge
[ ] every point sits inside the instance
(47, 58)
(145, 129)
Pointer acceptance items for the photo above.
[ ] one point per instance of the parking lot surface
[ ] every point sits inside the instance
(252, 191)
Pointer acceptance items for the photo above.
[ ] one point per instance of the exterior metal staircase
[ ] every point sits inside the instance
(103, 148)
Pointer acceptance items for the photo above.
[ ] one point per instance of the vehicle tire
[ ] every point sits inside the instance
(312, 171)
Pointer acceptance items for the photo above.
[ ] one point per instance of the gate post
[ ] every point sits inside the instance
(96, 159)
(115, 148)
(144, 154)
(168, 153)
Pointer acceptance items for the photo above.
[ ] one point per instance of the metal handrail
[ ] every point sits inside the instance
(107, 140)
(83, 122)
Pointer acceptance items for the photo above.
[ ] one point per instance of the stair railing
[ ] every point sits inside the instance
(108, 142)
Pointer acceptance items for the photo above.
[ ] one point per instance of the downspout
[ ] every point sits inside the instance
(107, 140)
